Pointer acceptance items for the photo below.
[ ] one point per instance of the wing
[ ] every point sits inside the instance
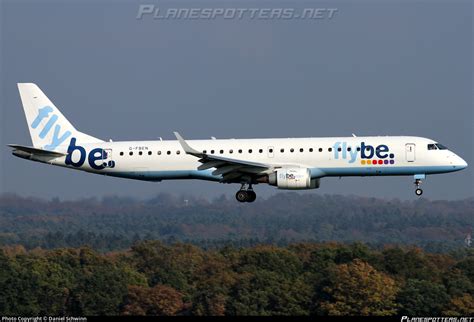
(232, 170)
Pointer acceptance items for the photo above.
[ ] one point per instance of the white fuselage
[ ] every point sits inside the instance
(284, 163)
(332, 156)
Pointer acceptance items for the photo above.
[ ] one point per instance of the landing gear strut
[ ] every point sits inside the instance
(246, 194)
(418, 190)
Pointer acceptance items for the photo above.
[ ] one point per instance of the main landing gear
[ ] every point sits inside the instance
(246, 194)
(418, 178)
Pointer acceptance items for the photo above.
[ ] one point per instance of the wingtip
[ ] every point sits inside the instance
(25, 84)
(187, 149)
(177, 135)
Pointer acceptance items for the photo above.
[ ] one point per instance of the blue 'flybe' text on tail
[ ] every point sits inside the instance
(49, 129)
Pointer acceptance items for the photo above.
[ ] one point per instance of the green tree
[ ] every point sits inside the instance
(408, 264)
(15, 297)
(267, 293)
(101, 285)
(422, 298)
(168, 265)
(467, 267)
(457, 283)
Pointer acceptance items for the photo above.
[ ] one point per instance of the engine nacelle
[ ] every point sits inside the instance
(293, 178)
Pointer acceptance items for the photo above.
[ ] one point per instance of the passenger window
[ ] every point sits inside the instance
(205, 151)
(310, 149)
(168, 152)
(250, 150)
(260, 151)
(149, 152)
(140, 153)
(212, 151)
(240, 150)
(131, 153)
(292, 150)
(159, 152)
(231, 151)
(330, 149)
(320, 149)
(282, 150)
(121, 153)
(178, 152)
(270, 150)
(358, 148)
(349, 149)
(221, 151)
(301, 150)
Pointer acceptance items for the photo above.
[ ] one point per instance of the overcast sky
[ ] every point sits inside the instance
(374, 68)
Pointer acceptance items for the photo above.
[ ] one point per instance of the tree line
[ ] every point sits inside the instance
(152, 278)
(116, 223)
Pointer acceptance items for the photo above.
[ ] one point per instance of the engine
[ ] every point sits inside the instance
(293, 178)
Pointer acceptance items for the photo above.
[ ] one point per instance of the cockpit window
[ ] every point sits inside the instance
(441, 147)
(432, 147)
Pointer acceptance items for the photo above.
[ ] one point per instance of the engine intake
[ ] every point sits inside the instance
(293, 179)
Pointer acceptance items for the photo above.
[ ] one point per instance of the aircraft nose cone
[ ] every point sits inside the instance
(460, 163)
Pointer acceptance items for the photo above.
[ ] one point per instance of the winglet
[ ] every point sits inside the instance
(186, 147)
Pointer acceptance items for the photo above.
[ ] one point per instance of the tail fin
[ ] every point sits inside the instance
(49, 129)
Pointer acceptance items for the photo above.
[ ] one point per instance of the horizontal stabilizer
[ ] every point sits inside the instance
(27, 151)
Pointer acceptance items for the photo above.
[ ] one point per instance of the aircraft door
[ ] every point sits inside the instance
(410, 152)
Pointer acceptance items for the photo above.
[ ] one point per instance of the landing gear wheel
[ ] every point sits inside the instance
(251, 196)
(241, 196)
(418, 190)
(246, 193)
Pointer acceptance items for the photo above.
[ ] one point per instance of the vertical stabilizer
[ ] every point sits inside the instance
(49, 129)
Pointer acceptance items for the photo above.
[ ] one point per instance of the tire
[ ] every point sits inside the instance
(251, 196)
(241, 196)
(418, 192)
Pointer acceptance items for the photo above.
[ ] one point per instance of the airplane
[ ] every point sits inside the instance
(293, 163)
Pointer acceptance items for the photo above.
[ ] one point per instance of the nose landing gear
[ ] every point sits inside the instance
(246, 194)
(418, 191)
(418, 178)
